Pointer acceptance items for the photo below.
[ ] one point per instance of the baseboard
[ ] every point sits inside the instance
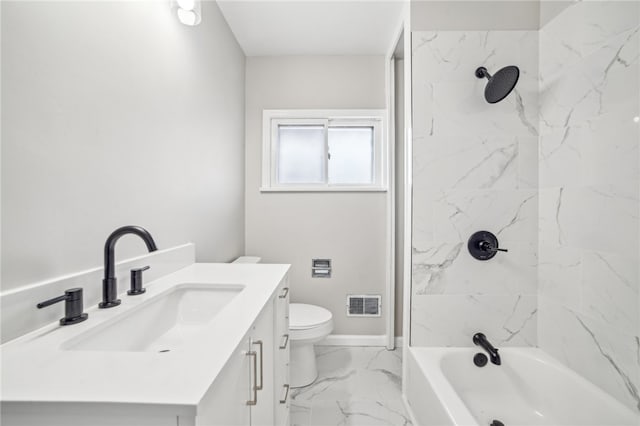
(358, 340)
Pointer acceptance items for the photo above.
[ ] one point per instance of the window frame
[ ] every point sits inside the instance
(375, 118)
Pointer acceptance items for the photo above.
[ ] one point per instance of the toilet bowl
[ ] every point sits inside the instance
(308, 324)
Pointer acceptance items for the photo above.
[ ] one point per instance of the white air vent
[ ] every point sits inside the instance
(364, 305)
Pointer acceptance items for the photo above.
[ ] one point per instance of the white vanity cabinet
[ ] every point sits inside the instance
(226, 401)
(229, 370)
(252, 388)
(281, 362)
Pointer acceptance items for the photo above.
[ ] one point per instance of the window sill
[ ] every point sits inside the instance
(325, 189)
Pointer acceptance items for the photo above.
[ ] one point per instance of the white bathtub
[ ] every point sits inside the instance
(444, 387)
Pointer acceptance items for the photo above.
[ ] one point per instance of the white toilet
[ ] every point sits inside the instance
(308, 324)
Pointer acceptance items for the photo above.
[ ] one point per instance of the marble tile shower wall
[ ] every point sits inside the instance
(475, 168)
(589, 194)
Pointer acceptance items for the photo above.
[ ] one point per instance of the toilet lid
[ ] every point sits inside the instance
(303, 316)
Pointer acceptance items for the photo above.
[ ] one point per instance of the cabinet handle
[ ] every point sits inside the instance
(286, 340)
(254, 401)
(286, 394)
(259, 342)
(285, 291)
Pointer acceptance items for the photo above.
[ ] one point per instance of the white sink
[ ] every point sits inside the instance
(160, 324)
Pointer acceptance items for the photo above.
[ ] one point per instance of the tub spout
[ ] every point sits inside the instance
(481, 340)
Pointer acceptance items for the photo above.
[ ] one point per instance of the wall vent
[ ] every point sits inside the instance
(364, 305)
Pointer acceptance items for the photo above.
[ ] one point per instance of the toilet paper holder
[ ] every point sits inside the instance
(320, 268)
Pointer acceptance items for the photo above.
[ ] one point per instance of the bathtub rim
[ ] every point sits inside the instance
(429, 361)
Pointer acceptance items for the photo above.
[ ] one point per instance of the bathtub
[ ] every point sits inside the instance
(444, 387)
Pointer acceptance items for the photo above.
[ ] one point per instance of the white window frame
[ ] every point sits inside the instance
(375, 118)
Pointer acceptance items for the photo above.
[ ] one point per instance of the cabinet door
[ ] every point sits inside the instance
(226, 401)
(262, 342)
(281, 367)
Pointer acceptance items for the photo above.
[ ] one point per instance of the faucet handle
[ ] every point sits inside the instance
(136, 281)
(73, 306)
(483, 245)
(487, 246)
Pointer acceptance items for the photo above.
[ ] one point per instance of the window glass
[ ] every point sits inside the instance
(350, 155)
(301, 154)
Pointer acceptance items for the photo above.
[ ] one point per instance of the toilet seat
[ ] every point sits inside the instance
(309, 321)
(303, 316)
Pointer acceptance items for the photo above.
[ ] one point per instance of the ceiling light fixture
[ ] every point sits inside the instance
(189, 11)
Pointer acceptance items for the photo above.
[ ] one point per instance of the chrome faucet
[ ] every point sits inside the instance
(110, 282)
(481, 340)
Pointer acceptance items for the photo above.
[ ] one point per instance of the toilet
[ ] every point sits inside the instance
(308, 324)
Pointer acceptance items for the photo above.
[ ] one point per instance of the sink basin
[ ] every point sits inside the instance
(162, 323)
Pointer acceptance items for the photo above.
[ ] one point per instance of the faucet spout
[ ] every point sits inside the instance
(110, 282)
(480, 339)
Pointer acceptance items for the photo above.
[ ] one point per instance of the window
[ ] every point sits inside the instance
(323, 151)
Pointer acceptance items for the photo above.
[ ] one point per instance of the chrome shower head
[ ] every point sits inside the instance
(500, 84)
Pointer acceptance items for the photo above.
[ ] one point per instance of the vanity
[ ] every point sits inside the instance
(205, 345)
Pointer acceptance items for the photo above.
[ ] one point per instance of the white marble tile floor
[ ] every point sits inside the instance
(356, 386)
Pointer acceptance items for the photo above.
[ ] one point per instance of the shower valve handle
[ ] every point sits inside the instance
(483, 245)
(486, 246)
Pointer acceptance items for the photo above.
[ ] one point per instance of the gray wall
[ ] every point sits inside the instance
(348, 227)
(114, 113)
(477, 15)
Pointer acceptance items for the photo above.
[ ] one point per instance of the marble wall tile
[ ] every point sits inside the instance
(599, 217)
(452, 320)
(599, 352)
(475, 167)
(471, 162)
(459, 108)
(610, 290)
(510, 214)
(561, 156)
(560, 274)
(528, 163)
(555, 55)
(611, 156)
(455, 55)
(448, 268)
(550, 231)
(586, 26)
(568, 99)
(448, 98)
(600, 152)
(554, 170)
(603, 217)
(589, 202)
(424, 200)
(476, 162)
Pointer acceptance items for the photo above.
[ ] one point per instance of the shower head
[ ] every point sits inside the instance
(500, 84)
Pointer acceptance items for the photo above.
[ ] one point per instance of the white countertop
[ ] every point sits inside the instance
(36, 369)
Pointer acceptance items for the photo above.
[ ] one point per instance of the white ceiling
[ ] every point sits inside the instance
(311, 27)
